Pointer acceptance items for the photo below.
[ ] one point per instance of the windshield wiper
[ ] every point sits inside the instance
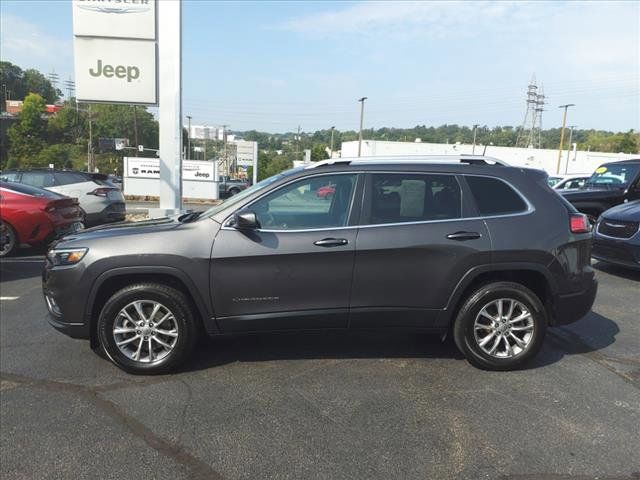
(189, 217)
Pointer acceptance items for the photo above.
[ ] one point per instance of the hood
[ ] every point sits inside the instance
(591, 193)
(123, 228)
(627, 212)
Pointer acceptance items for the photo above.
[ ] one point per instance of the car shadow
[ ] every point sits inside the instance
(27, 263)
(590, 334)
(618, 271)
(330, 344)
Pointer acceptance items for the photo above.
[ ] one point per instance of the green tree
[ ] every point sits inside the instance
(58, 155)
(35, 82)
(318, 152)
(27, 137)
(20, 83)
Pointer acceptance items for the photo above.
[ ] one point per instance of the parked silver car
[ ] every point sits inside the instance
(101, 200)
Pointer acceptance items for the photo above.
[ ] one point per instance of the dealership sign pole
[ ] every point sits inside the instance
(117, 49)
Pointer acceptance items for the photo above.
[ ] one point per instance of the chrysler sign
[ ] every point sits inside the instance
(115, 18)
(115, 51)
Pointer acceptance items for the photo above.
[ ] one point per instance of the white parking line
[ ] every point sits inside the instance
(2, 299)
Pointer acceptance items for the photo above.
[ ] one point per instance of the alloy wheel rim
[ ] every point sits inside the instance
(504, 328)
(145, 331)
(7, 233)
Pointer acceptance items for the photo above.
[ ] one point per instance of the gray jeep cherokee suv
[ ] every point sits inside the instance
(482, 250)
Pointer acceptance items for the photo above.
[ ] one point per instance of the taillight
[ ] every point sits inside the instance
(101, 192)
(579, 223)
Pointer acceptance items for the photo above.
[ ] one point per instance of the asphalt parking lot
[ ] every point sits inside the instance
(323, 405)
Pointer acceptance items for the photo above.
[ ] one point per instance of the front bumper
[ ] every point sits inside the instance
(65, 294)
(574, 306)
(74, 330)
(620, 252)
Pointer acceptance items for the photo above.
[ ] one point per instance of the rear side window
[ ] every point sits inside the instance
(68, 178)
(409, 197)
(9, 177)
(495, 197)
(38, 179)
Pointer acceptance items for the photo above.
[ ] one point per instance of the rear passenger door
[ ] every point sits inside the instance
(414, 244)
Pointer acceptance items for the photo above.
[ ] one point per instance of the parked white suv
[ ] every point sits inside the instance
(101, 200)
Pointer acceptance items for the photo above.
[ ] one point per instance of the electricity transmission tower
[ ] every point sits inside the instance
(54, 78)
(70, 86)
(526, 135)
(537, 127)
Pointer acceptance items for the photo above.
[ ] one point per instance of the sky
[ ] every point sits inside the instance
(272, 66)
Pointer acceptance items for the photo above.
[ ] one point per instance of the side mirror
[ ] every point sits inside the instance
(245, 220)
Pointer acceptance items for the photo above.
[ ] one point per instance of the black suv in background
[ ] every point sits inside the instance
(611, 184)
(486, 252)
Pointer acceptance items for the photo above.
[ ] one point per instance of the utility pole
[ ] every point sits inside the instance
(189, 138)
(564, 123)
(473, 149)
(226, 159)
(90, 144)
(361, 100)
(135, 126)
(331, 148)
(298, 143)
(571, 127)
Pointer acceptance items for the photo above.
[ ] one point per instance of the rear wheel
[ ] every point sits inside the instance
(233, 191)
(500, 326)
(8, 240)
(147, 328)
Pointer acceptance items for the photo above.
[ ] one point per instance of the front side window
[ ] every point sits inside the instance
(315, 202)
(409, 197)
(495, 197)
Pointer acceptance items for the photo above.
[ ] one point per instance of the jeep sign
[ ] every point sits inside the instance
(115, 18)
(115, 70)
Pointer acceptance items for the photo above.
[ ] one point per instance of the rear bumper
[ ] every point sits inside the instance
(572, 307)
(114, 212)
(619, 252)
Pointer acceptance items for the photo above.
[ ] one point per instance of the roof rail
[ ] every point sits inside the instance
(330, 161)
(466, 159)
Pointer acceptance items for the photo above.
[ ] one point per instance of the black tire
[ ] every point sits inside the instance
(175, 301)
(464, 331)
(10, 238)
(233, 191)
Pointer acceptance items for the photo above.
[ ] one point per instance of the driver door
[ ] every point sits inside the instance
(294, 271)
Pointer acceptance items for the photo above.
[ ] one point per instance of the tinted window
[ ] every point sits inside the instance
(316, 202)
(38, 179)
(408, 197)
(68, 178)
(495, 197)
(8, 177)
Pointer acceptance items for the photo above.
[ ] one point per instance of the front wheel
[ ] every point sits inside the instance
(147, 328)
(500, 326)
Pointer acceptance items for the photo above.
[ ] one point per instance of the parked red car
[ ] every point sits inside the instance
(34, 216)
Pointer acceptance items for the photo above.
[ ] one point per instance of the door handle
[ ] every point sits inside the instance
(331, 242)
(464, 236)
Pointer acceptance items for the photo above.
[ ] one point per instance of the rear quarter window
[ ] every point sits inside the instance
(495, 197)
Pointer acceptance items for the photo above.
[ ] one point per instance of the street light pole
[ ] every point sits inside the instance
(189, 138)
(473, 149)
(361, 100)
(566, 167)
(331, 149)
(564, 123)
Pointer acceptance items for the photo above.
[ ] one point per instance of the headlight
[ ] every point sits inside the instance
(66, 256)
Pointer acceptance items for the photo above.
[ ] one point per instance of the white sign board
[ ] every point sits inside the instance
(115, 70)
(150, 168)
(115, 18)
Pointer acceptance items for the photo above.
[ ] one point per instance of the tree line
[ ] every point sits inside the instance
(33, 139)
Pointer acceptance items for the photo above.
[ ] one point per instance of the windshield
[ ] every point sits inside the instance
(249, 191)
(553, 180)
(617, 175)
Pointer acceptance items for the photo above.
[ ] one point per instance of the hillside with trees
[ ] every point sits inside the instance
(34, 139)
